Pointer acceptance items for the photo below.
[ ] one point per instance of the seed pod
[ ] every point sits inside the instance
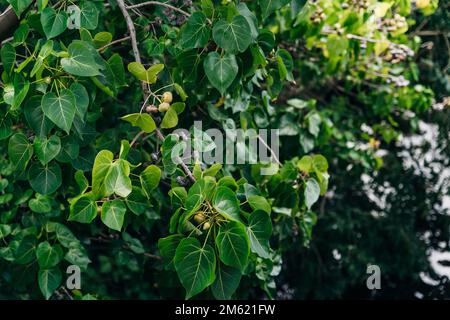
(163, 107)
(206, 226)
(199, 217)
(167, 97)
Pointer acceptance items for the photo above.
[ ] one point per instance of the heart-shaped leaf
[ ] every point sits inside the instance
(117, 180)
(45, 179)
(83, 209)
(113, 214)
(233, 244)
(48, 256)
(234, 36)
(226, 203)
(60, 109)
(259, 231)
(196, 32)
(81, 60)
(312, 192)
(36, 118)
(47, 149)
(81, 99)
(19, 6)
(102, 164)
(49, 280)
(195, 265)
(53, 23)
(150, 179)
(141, 120)
(226, 283)
(221, 70)
(88, 15)
(19, 151)
(170, 119)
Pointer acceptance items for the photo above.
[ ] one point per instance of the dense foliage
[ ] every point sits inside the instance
(88, 177)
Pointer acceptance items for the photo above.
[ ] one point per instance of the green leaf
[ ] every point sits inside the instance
(19, 6)
(259, 203)
(150, 179)
(320, 163)
(88, 15)
(195, 265)
(49, 280)
(81, 62)
(117, 179)
(102, 39)
(234, 36)
(21, 34)
(305, 164)
(65, 236)
(45, 179)
(102, 164)
(81, 180)
(48, 256)
(226, 203)
(21, 87)
(147, 75)
(40, 204)
(70, 149)
(5, 127)
(251, 19)
(179, 89)
(36, 118)
(47, 149)
(227, 281)
(8, 57)
(42, 4)
(233, 245)
(269, 6)
(196, 32)
(19, 151)
(170, 119)
(5, 230)
(312, 192)
(259, 231)
(221, 70)
(53, 23)
(137, 201)
(81, 99)
(142, 120)
(83, 210)
(77, 255)
(167, 247)
(285, 64)
(113, 214)
(25, 252)
(60, 109)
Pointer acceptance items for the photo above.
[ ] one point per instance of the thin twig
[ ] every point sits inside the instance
(135, 138)
(152, 256)
(156, 3)
(113, 43)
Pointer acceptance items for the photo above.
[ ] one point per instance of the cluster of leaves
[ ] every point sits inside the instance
(84, 137)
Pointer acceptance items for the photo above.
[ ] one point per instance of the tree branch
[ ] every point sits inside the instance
(8, 21)
(137, 57)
